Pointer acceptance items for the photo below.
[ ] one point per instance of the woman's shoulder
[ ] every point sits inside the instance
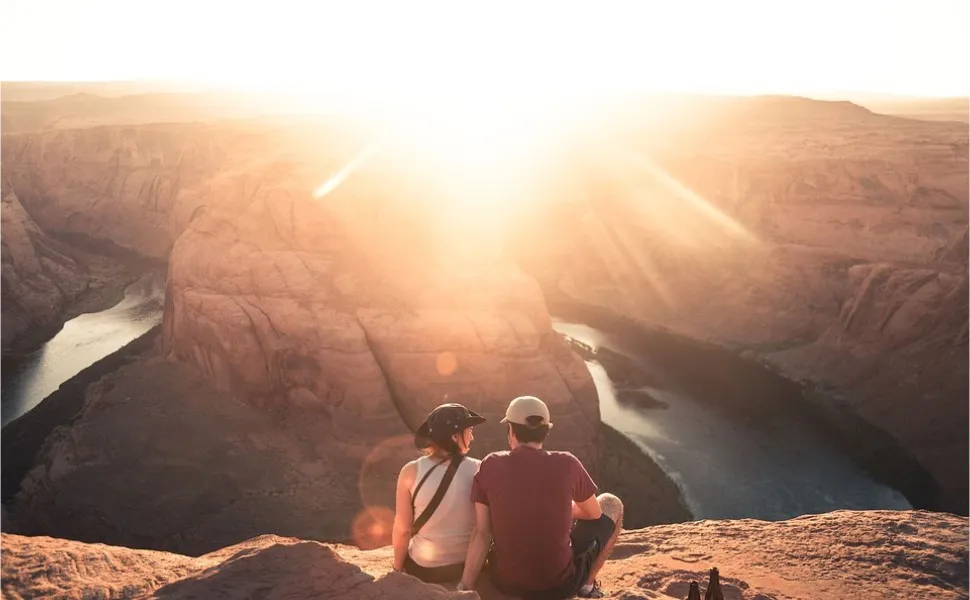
(410, 469)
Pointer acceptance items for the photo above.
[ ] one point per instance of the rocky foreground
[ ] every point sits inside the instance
(879, 554)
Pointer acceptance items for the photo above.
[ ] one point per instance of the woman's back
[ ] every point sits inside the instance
(445, 536)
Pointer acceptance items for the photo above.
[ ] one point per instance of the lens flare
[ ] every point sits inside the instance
(446, 363)
(372, 527)
(348, 169)
(377, 479)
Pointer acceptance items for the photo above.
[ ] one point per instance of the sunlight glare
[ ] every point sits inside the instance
(695, 200)
(334, 181)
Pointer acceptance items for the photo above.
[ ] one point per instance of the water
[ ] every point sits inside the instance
(82, 341)
(726, 467)
(730, 468)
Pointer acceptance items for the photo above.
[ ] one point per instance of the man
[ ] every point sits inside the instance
(526, 500)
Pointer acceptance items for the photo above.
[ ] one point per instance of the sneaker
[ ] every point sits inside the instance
(596, 592)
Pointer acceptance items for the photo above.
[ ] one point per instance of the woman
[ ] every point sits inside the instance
(430, 542)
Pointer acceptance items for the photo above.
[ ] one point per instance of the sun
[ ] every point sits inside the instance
(483, 142)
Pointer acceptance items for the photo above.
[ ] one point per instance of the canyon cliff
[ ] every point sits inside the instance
(892, 555)
(46, 281)
(38, 281)
(303, 341)
(825, 241)
(347, 305)
(134, 186)
(305, 335)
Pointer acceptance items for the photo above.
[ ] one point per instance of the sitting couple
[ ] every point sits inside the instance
(534, 514)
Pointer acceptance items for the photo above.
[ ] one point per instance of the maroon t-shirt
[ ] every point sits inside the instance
(529, 493)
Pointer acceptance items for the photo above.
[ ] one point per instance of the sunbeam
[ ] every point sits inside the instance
(696, 201)
(334, 181)
(615, 251)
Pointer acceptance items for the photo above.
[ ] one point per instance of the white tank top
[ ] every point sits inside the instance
(445, 537)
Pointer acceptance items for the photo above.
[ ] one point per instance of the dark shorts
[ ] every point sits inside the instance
(588, 540)
(445, 574)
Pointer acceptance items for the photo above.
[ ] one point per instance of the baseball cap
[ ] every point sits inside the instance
(523, 407)
(445, 421)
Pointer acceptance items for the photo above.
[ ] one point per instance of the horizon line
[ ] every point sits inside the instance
(236, 88)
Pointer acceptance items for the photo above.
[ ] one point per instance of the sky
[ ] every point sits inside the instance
(396, 47)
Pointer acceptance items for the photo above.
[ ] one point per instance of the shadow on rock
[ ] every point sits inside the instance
(295, 569)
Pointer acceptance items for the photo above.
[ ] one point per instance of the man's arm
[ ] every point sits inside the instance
(587, 510)
(585, 506)
(403, 515)
(478, 548)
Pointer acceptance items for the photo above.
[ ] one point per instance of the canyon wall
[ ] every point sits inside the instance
(834, 248)
(820, 238)
(47, 281)
(39, 280)
(343, 305)
(138, 186)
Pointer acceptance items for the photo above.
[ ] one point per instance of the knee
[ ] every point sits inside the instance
(611, 506)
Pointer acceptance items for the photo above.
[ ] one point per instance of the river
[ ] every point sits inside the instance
(82, 341)
(727, 466)
(731, 467)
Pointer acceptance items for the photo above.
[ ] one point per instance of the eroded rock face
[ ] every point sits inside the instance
(39, 278)
(135, 186)
(159, 459)
(832, 248)
(138, 186)
(893, 555)
(349, 307)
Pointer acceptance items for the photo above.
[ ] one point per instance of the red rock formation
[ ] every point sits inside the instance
(67, 108)
(890, 555)
(49, 567)
(39, 280)
(158, 458)
(810, 244)
(335, 307)
(136, 186)
(139, 186)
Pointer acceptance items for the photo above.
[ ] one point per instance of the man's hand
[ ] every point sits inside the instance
(478, 548)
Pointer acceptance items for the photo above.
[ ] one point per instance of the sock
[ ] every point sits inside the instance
(586, 588)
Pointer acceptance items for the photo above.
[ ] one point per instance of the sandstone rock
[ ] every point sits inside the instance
(810, 244)
(139, 186)
(909, 555)
(136, 187)
(39, 280)
(268, 566)
(843, 554)
(352, 307)
(956, 251)
(159, 459)
(82, 109)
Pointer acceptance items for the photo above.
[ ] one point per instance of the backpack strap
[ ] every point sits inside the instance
(439, 493)
(423, 479)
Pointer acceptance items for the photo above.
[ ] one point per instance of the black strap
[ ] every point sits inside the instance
(423, 479)
(439, 493)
